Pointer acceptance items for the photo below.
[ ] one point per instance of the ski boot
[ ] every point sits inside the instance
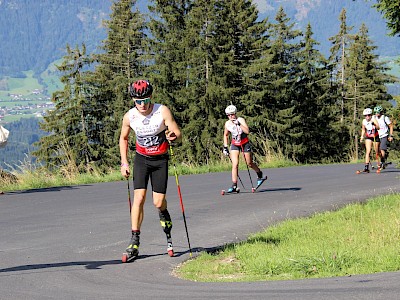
(260, 181)
(366, 170)
(132, 251)
(232, 189)
(166, 224)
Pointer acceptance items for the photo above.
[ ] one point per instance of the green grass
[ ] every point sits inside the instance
(358, 239)
(25, 86)
(33, 177)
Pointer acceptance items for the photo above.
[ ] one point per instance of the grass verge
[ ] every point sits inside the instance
(357, 239)
(33, 177)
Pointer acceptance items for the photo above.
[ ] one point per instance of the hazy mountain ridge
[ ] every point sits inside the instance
(323, 16)
(34, 33)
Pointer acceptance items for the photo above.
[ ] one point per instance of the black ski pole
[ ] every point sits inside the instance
(248, 171)
(180, 197)
(237, 173)
(129, 197)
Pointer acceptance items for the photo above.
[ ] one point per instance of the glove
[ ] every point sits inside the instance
(236, 122)
(225, 151)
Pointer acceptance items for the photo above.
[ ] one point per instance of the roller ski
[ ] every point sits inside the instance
(233, 189)
(365, 171)
(260, 181)
(132, 251)
(382, 166)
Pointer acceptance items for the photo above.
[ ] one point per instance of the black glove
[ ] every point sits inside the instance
(225, 151)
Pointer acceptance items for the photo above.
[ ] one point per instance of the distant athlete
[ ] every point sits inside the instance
(369, 133)
(385, 134)
(238, 128)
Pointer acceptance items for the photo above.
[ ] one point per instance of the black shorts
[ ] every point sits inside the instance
(153, 167)
(246, 147)
(374, 139)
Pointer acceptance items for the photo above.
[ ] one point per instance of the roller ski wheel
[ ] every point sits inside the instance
(362, 171)
(171, 252)
(170, 249)
(130, 253)
(126, 257)
(253, 190)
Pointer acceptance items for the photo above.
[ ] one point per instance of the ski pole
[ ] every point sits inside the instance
(248, 171)
(237, 173)
(129, 197)
(180, 197)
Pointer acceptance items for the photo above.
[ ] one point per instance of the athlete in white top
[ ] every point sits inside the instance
(369, 132)
(154, 127)
(385, 133)
(238, 128)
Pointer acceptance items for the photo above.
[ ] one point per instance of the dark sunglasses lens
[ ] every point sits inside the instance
(142, 101)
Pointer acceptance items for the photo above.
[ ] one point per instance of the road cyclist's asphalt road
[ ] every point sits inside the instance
(66, 242)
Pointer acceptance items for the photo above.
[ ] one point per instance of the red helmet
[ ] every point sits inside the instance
(140, 89)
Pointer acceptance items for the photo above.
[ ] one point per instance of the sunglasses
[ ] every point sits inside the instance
(369, 115)
(142, 101)
(230, 115)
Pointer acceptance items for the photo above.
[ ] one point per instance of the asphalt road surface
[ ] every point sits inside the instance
(66, 242)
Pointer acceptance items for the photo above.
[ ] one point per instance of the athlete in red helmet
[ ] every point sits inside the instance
(154, 128)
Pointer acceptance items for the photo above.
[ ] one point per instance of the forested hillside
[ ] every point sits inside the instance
(323, 17)
(202, 55)
(23, 134)
(34, 33)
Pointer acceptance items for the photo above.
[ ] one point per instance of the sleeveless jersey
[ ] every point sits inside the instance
(238, 136)
(370, 130)
(383, 122)
(150, 131)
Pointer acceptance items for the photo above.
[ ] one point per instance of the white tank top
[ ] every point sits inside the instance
(149, 131)
(383, 122)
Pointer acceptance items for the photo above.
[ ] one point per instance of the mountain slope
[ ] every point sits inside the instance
(34, 33)
(323, 16)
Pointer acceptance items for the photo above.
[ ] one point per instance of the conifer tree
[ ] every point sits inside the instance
(121, 62)
(337, 59)
(365, 84)
(231, 36)
(68, 124)
(206, 74)
(277, 90)
(314, 105)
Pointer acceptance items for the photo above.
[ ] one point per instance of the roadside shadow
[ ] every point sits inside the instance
(90, 265)
(266, 190)
(279, 189)
(43, 190)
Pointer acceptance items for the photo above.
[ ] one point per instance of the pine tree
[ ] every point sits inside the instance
(338, 57)
(67, 144)
(215, 40)
(122, 61)
(391, 11)
(276, 92)
(365, 82)
(314, 104)
(168, 49)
